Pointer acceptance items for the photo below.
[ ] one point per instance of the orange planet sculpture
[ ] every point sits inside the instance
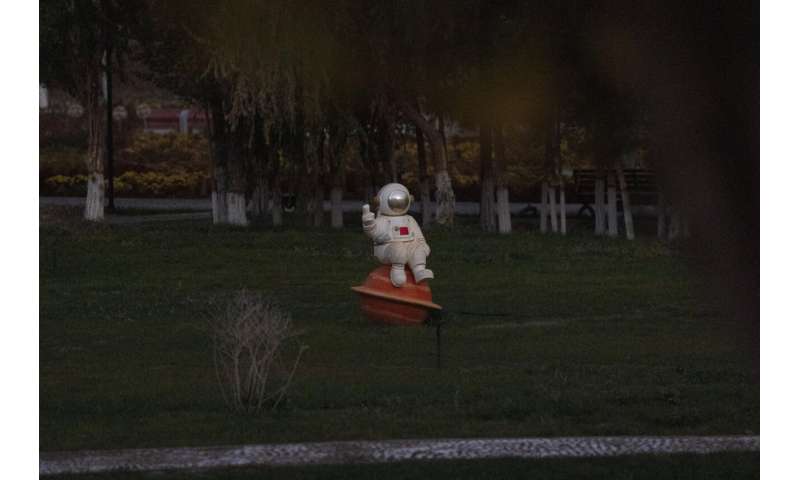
(382, 302)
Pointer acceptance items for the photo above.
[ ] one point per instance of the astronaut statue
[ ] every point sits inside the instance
(396, 236)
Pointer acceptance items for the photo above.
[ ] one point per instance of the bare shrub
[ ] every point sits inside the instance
(251, 335)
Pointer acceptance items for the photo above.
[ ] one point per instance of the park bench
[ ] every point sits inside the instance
(641, 185)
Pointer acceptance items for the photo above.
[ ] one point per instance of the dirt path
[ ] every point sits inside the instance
(204, 204)
(338, 453)
(159, 217)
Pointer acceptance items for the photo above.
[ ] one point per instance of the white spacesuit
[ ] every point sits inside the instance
(397, 238)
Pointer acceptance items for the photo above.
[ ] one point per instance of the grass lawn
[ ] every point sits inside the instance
(545, 336)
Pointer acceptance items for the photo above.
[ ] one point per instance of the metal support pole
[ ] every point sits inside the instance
(438, 344)
(436, 319)
(109, 130)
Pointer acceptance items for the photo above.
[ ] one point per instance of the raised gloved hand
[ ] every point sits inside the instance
(367, 217)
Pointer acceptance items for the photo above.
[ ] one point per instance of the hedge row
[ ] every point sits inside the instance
(135, 184)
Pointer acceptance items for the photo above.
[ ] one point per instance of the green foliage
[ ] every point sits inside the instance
(165, 153)
(74, 36)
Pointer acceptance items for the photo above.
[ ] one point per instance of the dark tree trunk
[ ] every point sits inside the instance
(259, 172)
(109, 122)
(424, 179)
(238, 152)
(337, 217)
(675, 222)
(543, 206)
(443, 135)
(316, 177)
(365, 153)
(503, 207)
(662, 217)
(386, 148)
(611, 204)
(563, 206)
(488, 210)
(277, 201)
(599, 204)
(551, 194)
(550, 168)
(445, 198)
(337, 163)
(626, 203)
(219, 147)
(558, 168)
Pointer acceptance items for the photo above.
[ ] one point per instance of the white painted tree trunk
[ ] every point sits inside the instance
(237, 208)
(611, 204)
(95, 198)
(503, 210)
(277, 207)
(563, 205)
(626, 204)
(599, 207)
(543, 208)
(337, 220)
(551, 194)
(662, 217)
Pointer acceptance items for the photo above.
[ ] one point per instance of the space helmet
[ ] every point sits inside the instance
(393, 199)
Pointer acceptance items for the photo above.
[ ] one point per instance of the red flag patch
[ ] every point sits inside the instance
(403, 230)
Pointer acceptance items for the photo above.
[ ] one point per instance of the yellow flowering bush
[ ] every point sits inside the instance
(135, 184)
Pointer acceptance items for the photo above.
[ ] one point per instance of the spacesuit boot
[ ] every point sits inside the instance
(398, 274)
(421, 273)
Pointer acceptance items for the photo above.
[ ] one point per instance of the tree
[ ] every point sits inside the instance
(78, 39)
(404, 49)
(445, 198)
(177, 53)
(277, 58)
